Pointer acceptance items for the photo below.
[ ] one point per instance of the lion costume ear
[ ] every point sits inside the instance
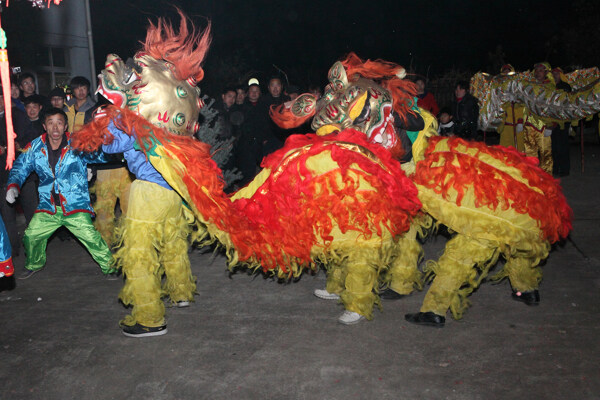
(294, 113)
(337, 76)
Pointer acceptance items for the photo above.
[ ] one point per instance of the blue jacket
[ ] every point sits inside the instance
(71, 176)
(137, 163)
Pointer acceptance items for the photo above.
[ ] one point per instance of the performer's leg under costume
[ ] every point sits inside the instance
(536, 142)
(6, 263)
(111, 184)
(404, 275)
(523, 276)
(354, 278)
(153, 232)
(455, 269)
(43, 225)
(9, 215)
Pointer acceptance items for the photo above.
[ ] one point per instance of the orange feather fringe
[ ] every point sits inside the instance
(445, 170)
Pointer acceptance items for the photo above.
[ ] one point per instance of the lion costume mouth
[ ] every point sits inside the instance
(114, 81)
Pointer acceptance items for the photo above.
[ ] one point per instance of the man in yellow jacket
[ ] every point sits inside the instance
(76, 108)
(512, 129)
(537, 135)
(113, 179)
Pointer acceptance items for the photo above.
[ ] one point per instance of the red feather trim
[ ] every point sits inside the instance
(293, 210)
(296, 209)
(493, 188)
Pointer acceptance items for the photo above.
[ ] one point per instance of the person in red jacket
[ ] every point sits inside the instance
(425, 99)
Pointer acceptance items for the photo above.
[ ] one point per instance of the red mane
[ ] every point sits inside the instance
(185, 50)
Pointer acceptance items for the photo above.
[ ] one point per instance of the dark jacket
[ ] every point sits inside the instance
(24, 131)
(465, 114)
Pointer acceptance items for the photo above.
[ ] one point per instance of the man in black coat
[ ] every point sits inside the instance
(28, 199)
(465, 112)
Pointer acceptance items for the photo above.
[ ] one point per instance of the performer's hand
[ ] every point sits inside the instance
(11, 195)
(90, 174)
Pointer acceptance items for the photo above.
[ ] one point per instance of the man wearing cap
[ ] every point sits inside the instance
(537, 139)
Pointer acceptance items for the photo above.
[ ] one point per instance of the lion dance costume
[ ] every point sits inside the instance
(338, 197)
(158, 91)
(497, 201)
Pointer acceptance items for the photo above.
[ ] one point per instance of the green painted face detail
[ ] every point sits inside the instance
(181, 92)
(179, 119)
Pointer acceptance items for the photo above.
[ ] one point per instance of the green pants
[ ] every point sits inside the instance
(43, 225)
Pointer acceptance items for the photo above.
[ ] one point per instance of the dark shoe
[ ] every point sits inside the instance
(138, 330)
(27, 273)
(389, 294)
(427, 319)
(531, 298)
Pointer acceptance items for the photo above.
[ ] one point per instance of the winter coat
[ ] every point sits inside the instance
(465, 115)
(70, 181)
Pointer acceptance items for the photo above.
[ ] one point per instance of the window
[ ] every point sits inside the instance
(53, 66)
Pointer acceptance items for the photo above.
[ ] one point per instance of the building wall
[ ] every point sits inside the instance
(60, 50)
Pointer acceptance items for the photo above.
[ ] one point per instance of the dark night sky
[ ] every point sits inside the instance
(304, 38)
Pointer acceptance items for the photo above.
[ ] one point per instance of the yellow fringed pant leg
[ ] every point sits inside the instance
(522, 275)
(355, 280)
(403, 274)
(455, 269)
(154, 243)
(360, 282)
(111, 184)
(535, 142)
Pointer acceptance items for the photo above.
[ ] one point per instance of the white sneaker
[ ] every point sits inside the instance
(324, 294)
(182, 304)
(350, 318)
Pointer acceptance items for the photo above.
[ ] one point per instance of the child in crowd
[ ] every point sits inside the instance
(446, 127)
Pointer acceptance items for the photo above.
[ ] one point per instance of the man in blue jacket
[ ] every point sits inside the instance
(63, 194)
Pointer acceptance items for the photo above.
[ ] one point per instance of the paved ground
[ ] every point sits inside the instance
(252, 338)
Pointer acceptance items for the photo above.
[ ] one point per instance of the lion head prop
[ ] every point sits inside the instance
(364, 95)
(160, 82)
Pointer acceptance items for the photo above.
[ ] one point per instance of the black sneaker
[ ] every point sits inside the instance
(138, 330)
(389, 294)
(531, 298)
(27, 273)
